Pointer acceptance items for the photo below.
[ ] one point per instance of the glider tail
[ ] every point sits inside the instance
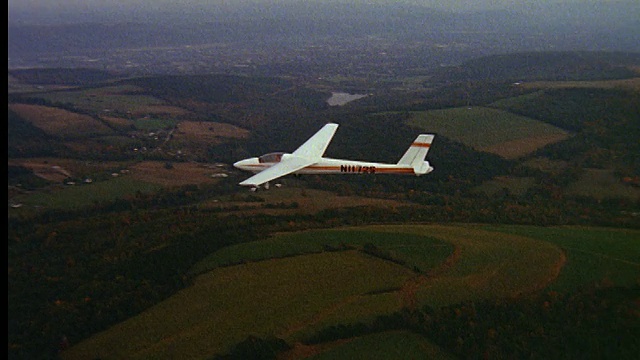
(417, 152)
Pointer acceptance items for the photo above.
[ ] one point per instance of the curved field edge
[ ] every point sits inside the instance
(293, 297)
(486, 264)
(489, 129)
(597, 256)
(227, 304)
(418, 252)
(382, 346)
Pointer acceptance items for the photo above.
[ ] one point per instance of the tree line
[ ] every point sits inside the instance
(599, 322)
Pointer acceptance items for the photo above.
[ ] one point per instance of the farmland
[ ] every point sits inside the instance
(229, 303)
(348, 284)
(107, 99)
(597, 255)
(129, 236)
(491, 130)
(61, 122)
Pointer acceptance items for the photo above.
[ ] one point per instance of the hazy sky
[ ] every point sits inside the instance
(35, 11)
(64, 5)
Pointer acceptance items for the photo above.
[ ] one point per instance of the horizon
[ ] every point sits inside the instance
(71, 11)
(38, 27)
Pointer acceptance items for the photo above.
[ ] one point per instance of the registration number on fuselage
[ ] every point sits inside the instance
(359, 169)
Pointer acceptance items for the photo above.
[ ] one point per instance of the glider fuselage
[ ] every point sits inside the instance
(331, 166)
(308, 159)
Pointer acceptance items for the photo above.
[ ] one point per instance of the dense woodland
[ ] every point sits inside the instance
(103, 249)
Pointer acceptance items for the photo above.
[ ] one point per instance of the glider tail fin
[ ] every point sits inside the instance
(417, 152)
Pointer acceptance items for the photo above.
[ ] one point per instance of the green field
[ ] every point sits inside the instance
(261, 298)
(418, 252)
(594, 255)
(399, 345)
(480, 127)
(99, 100)
(489, 265)
(517, 101)
(601, 184)
(293, 285)
(83, 195)
(152, 124)
(517, 186)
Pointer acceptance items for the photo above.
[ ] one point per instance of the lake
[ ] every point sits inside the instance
(341, 98)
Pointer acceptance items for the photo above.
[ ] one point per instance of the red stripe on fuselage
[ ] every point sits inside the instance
(323, 168)
(426, 145)
(395, 171)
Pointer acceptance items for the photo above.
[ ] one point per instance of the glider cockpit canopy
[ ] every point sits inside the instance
(270, 158)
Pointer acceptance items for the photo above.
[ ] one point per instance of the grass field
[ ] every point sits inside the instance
(154, 124)
(226, 304)
(488, 265)
(275, 292)
(400, 345)
(487, 129)
(516, 186)
(309, 201)
(601, 184)
(205, 133)
(107, 99)
(145, 176)
(633, 84)
(595, 255)
(418, 252)
(59, 122)
(179, 174)
(82, 195)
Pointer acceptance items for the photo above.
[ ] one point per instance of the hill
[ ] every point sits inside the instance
(550, 66)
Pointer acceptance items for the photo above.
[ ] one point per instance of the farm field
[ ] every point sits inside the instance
(225, 305)
(108, 180)
(421, 252)
(610, 257)
(385, 346)
(517, 186)
(129, 236)
(104, 100)
(487, 129)
(633, 84)
(601, 184)
(59, 122)
(290, 199)
(83, 195)
(114, 180)
(57, 169)
(207, 132)
(329, 278)
(178, 174)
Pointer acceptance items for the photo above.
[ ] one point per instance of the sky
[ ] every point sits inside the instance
(64, 5)
(34, 11)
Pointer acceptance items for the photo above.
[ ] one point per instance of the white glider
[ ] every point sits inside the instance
(308, 159)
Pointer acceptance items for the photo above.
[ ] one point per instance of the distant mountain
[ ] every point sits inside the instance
(568, 27)
(552, 65)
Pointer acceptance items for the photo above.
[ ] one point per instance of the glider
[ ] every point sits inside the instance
(308, 159)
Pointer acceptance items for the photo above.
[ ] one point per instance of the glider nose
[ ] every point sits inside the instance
(244, 164)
